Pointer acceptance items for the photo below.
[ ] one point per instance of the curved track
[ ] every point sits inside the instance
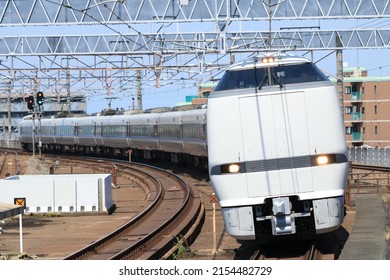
(173, 208)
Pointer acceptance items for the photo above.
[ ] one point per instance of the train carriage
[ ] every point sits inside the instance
(194, 132)
(169, 132)
(26, 131)
(89, 131)
(147, 134)
(114, 131)
(142, 131)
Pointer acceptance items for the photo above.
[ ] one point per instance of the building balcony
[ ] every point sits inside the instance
(357, 136)
(356, 96)
(356, 116)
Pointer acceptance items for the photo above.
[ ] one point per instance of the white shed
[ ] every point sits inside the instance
(59, 193)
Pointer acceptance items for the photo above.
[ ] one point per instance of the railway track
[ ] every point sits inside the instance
(123, 176)
(9, 163)
(172, 209)
(167, 212)
(309, 250)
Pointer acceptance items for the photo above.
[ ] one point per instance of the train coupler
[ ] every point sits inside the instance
(282, 221)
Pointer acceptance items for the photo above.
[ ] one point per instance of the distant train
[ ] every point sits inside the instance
(277, 154)
(176, 135)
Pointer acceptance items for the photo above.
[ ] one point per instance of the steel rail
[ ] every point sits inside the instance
(100, 242)
(137, 247)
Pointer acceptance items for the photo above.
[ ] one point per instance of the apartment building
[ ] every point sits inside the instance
(366, 108)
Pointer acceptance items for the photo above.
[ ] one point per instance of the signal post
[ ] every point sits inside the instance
(36, 105)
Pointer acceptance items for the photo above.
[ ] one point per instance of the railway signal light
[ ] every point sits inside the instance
(30, 102)
(40, 98)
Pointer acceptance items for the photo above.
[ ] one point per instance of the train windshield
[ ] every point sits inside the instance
(278, 75)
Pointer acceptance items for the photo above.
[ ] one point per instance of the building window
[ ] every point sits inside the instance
(348, 90)
(348, 130)
(348, 110)
(374, 89)
(364, 130)
(206, 94)
(376, 129)
(376, 109)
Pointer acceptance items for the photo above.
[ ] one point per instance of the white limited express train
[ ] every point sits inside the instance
(275, 144)
(276, 149)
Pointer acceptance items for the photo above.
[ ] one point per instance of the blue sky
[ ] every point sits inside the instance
(376, 61)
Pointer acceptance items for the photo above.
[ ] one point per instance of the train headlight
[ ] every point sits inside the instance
(324, 159)
(234, 168)
(231, 168)
(268, 59)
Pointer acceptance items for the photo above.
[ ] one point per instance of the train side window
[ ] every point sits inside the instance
(194, 131)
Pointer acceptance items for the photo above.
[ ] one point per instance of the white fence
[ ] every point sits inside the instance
(370, 155)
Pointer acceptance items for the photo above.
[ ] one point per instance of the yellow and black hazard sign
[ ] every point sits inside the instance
(20, 201)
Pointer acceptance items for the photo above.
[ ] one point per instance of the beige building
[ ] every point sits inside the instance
(366, 108)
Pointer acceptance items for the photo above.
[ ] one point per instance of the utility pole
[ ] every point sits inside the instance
(139, 90)
(340, 76)
(9, 109)
(68, 85)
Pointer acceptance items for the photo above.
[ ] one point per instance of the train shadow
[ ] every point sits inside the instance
(340, 237)
(327, 244)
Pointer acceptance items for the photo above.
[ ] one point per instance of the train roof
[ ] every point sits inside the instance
(267, 60)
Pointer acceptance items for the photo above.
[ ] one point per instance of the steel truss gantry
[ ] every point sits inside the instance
(40, 12)
(113, 40)
(192, 43)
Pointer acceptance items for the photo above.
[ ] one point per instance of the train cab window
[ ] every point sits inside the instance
(279, 75)
(236, 79)
(297, 73)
